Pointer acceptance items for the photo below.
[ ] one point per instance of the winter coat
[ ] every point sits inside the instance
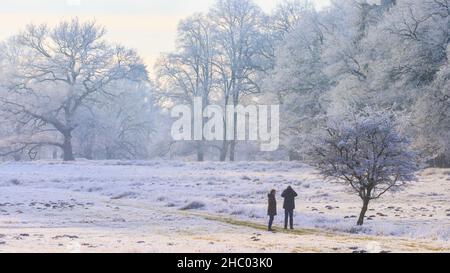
(289, 198)
(272, 208)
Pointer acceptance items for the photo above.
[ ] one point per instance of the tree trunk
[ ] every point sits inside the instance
(67, 148)
(294, 155)
(200, 156)
(200, 152)
(233, 141)
(363, 211)
(232, 149)
(223, 151)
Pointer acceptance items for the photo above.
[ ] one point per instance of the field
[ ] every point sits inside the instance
(167, 206)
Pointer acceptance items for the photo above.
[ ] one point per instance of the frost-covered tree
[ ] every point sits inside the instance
(242, 54)
(120, 128)
(389, 55)
(432, 115)
(287, 14)
(53, 74)
(405, 55)
(347, 26)
(188, 73)
(298, 80)
(404, 51)
(368, 153)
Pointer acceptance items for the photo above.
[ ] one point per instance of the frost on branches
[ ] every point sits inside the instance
(368, 153)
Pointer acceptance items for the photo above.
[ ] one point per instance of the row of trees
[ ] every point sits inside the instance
(389, 56)
(392, 55)
(319, 64)
(69, 88)
(221, 57)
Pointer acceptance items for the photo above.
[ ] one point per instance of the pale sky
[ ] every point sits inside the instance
(149, 26)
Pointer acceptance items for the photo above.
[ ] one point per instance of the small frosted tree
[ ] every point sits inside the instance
(368, 153)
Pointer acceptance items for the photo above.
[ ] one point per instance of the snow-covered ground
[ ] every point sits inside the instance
(161, 206)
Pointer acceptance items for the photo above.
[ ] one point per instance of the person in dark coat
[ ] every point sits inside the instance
(289, 205)
(272, 208)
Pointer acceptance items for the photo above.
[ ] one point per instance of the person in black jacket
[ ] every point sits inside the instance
(272, 208)
(289, 205)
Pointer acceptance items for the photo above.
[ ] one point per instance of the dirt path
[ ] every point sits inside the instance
(312, 240)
